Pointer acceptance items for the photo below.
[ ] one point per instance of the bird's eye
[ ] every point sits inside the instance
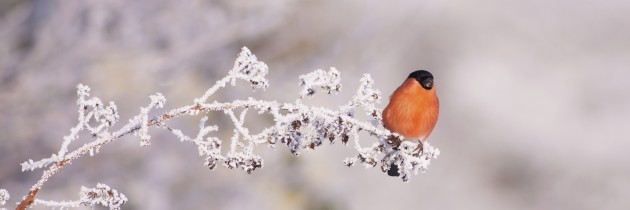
(428, 85)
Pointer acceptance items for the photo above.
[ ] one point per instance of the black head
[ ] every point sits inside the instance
(423, 77)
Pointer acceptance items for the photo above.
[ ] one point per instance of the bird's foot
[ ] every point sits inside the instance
(420, 149)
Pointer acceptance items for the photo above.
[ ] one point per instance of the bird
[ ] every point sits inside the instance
(413, 109)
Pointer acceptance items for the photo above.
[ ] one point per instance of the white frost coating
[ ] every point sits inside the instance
(158, 100)
(89, 110)
(367, 97)
(101, 195)
(297, 125)
(57, 204)
(327, 81)
(246, 67)
(4, 197)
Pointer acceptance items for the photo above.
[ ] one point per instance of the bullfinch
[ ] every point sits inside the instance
(413, 109)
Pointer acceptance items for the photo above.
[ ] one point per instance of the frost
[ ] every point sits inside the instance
(327, 81)
(94, 116)
(247, 67)
(4, 197)
(100, 195)
(296, 125)
(157, 100)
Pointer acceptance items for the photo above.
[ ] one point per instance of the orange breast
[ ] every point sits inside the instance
(412, 110)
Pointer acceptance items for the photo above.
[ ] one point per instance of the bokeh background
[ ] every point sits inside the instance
(534, 98)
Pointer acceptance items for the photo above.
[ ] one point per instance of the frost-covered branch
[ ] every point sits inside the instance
(101, 195)
(296, 125)
(4, 197)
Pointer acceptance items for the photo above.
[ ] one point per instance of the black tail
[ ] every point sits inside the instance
(393, 170)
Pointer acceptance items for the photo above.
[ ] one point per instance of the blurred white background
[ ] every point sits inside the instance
(534, 98)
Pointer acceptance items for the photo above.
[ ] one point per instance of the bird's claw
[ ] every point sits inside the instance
(419, 149)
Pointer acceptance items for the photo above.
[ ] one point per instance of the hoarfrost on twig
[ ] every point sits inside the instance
(100, 195)
(297, 125)
(327, 81)
(4, 197)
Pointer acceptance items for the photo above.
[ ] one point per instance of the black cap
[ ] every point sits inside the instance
(425, 78)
